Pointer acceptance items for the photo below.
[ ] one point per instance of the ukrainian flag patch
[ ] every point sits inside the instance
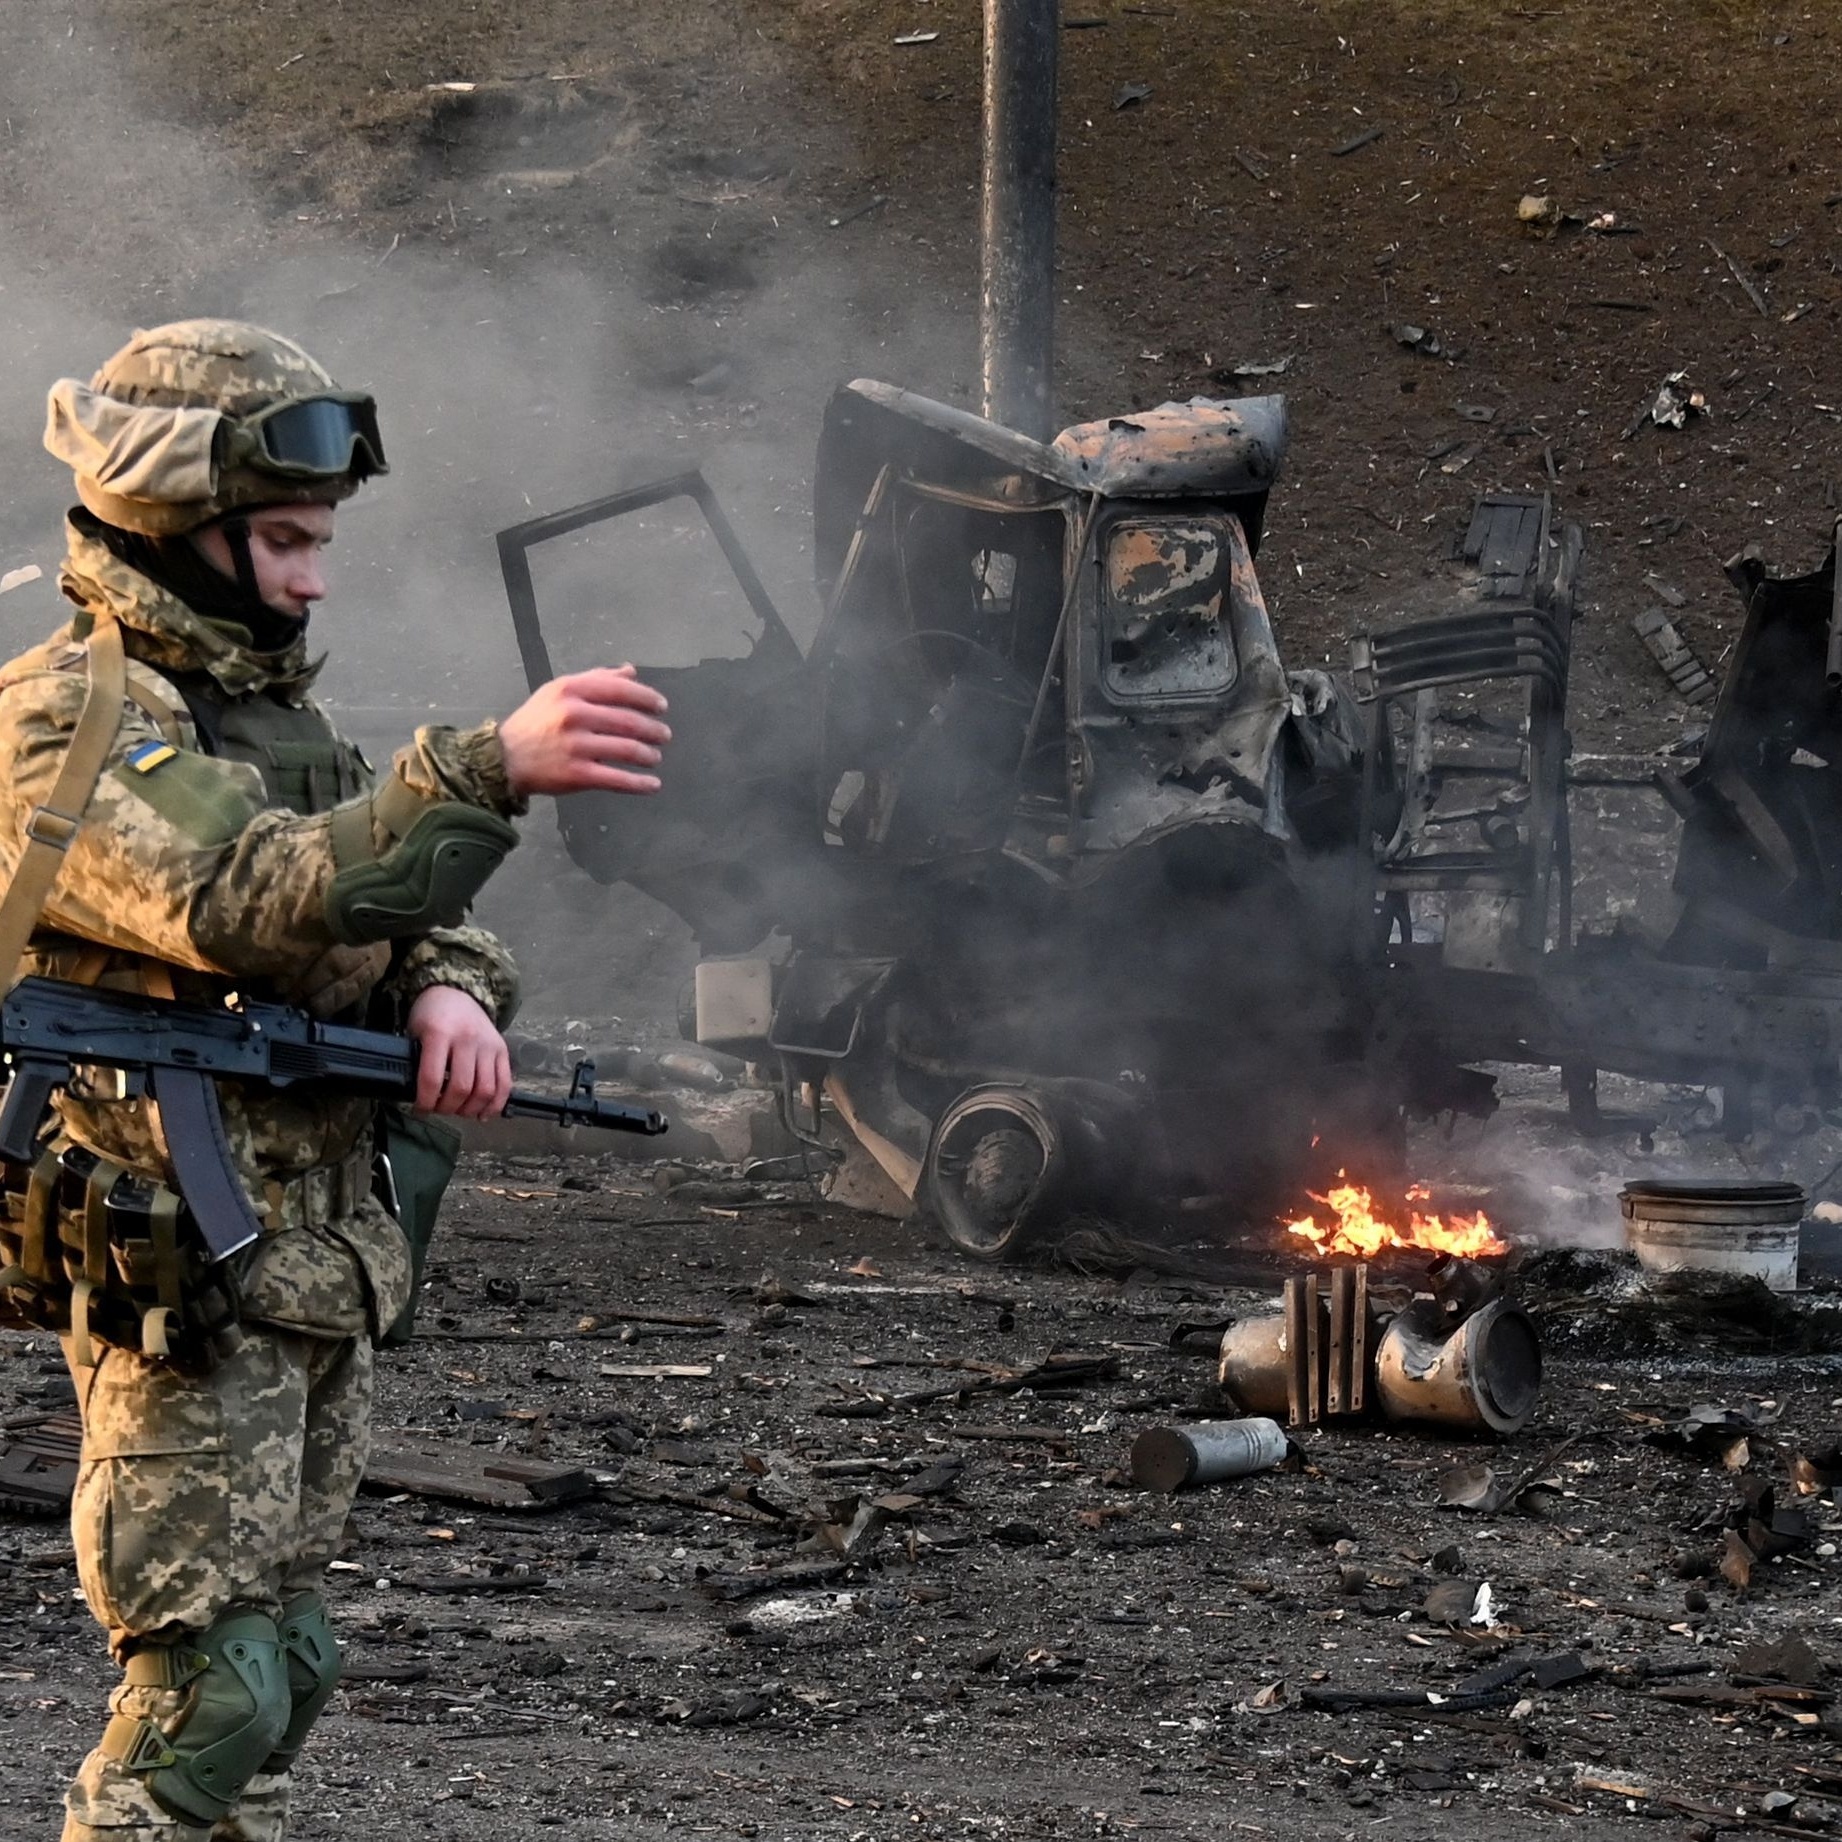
(149, 755)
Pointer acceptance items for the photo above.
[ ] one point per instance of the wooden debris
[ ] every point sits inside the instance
(1051, 1372)
(38, 1463)
(470, 1582)
(1343, 1701)
(1014, 1435)
(445, 1468)
(736, 1511)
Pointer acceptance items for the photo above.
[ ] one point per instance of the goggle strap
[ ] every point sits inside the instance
(236, 535)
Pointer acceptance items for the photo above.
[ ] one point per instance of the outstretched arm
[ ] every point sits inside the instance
(180, 858)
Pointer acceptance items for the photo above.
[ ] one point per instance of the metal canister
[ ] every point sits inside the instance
(1182, 1457)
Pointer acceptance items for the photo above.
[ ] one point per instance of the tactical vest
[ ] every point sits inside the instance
(305, 764)
(308, 767)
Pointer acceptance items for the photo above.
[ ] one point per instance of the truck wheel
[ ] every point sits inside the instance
(991, 1169)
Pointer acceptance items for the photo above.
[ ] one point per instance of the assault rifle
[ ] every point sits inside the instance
(172, 1053)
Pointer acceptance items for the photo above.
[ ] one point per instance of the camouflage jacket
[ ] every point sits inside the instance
(225, 890)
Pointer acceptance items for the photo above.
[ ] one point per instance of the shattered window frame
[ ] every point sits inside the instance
(1175, 673)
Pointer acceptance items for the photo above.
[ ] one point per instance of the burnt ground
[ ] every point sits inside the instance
(656, 230)
(1030, 1645)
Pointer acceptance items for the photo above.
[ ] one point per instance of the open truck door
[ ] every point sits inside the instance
(730, 842)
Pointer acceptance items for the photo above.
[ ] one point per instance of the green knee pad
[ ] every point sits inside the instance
(313, 1669)
(237, 1711)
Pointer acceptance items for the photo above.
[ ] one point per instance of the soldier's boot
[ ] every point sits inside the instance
(228, 1688)
(261, 1814)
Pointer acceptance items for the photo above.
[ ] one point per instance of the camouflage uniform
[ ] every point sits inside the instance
(205, 1497)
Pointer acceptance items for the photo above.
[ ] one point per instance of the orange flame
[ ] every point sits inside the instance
(1360, 1231)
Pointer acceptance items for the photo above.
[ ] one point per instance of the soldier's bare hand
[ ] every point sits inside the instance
(464, 1067)
(601, 728)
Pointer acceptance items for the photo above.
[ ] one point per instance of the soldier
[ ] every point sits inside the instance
(204, 830)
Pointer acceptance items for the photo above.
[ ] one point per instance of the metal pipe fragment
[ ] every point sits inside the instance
(1256, 1366)
(1182, 1457)
(1465, 1357)
(1483, 1375)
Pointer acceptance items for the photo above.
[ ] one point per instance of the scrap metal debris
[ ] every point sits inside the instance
(1533, 1492)
(1675, 401)
(1756, 1528)
(1692, 680)
(1728, 1436)
(1419, 339)
(1464, 1354)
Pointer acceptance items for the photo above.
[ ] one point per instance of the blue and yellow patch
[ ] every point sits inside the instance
(150, 755)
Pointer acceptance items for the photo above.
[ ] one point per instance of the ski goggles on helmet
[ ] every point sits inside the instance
(315, 438)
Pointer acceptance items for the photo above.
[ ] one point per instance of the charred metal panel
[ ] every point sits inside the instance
(1760, 866)
(729, 841)
(1163, 635)
(1175, 751)
(870, 426)
(1207, 448)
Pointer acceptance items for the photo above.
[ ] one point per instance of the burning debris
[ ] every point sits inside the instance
(1361, 1232)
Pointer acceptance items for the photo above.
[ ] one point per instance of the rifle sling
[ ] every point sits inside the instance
(52, 826)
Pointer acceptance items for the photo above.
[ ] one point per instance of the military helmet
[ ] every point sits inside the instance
(201, 418)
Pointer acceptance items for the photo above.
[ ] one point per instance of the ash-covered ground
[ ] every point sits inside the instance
(841, 1576)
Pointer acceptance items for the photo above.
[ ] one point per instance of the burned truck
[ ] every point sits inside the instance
(1047, 840)
(1039, 876)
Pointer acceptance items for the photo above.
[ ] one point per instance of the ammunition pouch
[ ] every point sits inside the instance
(237, 1711)
(98, 1255)
(312, 1656)
(438, 861)
(416, 1159)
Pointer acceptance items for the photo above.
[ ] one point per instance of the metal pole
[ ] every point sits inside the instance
(1017, 216)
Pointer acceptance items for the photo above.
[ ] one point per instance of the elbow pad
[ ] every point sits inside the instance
(433, 868)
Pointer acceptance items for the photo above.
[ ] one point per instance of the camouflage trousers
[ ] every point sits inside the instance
(197, 1494)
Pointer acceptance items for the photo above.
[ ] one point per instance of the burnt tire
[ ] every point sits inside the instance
(991, 1171)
